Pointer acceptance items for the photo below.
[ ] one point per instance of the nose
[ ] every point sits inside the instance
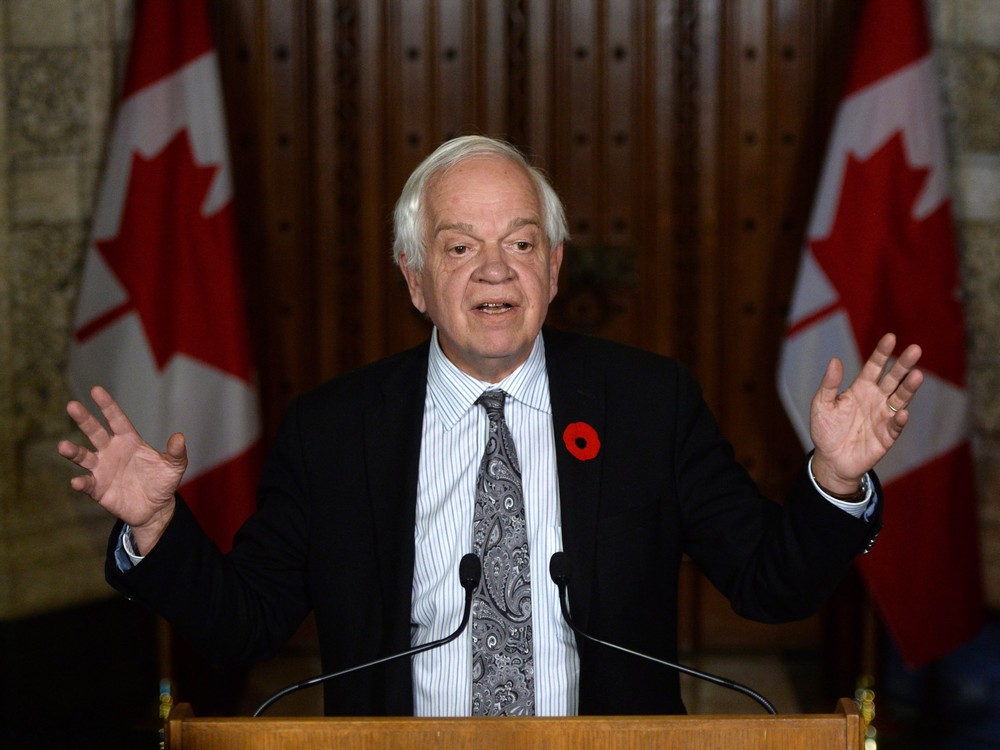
(494, 267)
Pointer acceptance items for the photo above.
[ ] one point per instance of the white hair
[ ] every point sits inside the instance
(409, 217)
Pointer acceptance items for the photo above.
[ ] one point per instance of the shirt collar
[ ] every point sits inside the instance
(455, 392)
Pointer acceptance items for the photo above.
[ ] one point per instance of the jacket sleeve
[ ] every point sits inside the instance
(774, 562)
(235, 608)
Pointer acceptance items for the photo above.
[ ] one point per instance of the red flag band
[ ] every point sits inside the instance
(160, 320)
(880, 256)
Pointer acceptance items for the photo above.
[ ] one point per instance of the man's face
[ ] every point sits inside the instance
(488, 273)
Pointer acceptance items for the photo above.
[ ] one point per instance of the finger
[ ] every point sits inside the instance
(117, 420)
(176, 447)
(875, 366)
(84, 483)
(89, 425)
(77, 454)
(897, 421)
(899, 400)
(910, 356)
(829, 386)
(69, 449)
(900, 369)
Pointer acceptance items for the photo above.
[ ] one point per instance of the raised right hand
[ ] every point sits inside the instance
(126, 475)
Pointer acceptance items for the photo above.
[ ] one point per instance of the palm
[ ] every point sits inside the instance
(132, 480)
(850, 428)
(853, 430)
(126, 475)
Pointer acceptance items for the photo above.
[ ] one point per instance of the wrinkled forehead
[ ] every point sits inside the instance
(482, 176)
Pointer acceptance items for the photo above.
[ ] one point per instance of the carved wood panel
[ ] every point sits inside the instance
(683, 135)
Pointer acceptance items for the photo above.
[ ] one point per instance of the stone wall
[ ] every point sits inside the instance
(60, 62)
(967, 41)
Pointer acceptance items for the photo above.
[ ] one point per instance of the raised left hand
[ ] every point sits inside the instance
(852, 430)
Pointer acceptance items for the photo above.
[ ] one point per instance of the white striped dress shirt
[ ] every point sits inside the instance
(454, 439)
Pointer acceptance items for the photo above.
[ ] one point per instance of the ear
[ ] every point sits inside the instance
(413, 283)
(555, 263)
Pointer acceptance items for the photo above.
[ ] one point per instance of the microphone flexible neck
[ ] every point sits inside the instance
(469, 574)
(562, 580)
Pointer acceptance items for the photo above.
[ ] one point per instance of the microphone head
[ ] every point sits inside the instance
(470, 570)
(559, 568)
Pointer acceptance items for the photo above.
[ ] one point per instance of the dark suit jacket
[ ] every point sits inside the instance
(334, 530)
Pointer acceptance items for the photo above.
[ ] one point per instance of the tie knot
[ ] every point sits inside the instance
(492, 401)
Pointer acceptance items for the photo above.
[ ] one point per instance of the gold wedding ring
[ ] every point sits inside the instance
(892, 408)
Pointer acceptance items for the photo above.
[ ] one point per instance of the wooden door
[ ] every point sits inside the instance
(683, 135)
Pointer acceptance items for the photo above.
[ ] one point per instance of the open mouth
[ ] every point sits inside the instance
(494, 307)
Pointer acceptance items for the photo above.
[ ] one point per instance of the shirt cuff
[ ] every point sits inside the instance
(863, 508)
(125, 554)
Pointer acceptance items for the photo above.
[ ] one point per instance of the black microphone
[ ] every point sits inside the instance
(559, 569)
(469, 572)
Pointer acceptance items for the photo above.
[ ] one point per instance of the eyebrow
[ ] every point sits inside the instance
(462, 226)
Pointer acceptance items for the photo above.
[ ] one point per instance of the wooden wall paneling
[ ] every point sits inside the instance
(621, 130)
(705, 108)
(286, 194)
(621, 102)
(793, 69)
(622, 173)
(776, 76)
(473, 59)
(409, 109)
(515, 105)
(658, 226)
(456, 97)
(234, 32)
(576, 125)
(849, 613)
(811, 51)
(683, 135)
(669, 232)
(242, 43)
(367, 160)
(595, 126)
(708, 87)
(737, 270)
(797, 108)
(750, 235)
(705, 83)
(538, 89)
(410, 92)
(700, 252)
(325, 34)
(575, 128)
(446, 68)
(496, 39)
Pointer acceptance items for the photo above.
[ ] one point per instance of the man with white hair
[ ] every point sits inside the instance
(382, 479)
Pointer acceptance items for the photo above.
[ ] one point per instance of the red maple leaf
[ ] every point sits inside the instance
(178, 266)
(891, 271)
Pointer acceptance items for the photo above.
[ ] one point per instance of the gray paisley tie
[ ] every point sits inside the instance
(503, 677)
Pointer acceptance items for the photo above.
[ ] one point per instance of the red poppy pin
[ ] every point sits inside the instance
(581, 440)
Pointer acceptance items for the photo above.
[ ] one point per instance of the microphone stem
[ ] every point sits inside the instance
(392, 657)
(760, 699)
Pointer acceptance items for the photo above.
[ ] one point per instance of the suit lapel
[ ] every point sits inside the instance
(577, 391)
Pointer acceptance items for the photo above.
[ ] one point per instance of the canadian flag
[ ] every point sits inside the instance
(880, 256)
(160, 320)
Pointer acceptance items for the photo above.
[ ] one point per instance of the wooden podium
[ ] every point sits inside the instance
(842, 730)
